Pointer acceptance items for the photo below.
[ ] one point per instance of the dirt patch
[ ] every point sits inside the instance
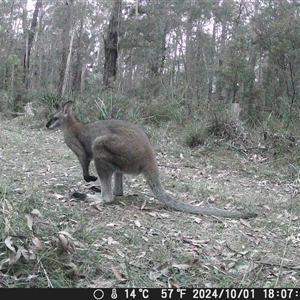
(49, 239)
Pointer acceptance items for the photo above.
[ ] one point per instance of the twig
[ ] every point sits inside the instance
(286, 242)
(278, 265)
(46, 274)
(180, 167)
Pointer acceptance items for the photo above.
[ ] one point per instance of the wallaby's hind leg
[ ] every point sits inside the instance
(118, 187)
(106, 188)
(105, 176)
(107, 153)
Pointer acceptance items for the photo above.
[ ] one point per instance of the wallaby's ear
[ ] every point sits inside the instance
(67, 107)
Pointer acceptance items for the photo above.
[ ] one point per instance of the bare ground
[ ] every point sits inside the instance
(50, 240)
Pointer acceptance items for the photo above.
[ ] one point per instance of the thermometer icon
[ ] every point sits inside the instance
(114, 294)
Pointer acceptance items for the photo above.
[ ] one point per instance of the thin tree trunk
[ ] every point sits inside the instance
(249, 91)
(82, 78)
(220, 86)
(189, 62)
(79, 55)
(212, 74)
(111, 46)
(66, 88)
(66, 29)
(29, 40)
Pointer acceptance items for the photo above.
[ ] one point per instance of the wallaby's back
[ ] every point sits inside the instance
(126, 146)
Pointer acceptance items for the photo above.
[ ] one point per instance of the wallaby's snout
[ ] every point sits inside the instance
(49, 123)
(54, 122)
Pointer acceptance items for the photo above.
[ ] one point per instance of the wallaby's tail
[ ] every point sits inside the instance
(161, 195)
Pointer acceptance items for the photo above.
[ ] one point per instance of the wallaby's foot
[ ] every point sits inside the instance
(92, 198)
(89, 178)
(79, 196)
(95, 189)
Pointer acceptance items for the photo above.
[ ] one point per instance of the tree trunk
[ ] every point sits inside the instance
(79, 55)
(111, 46)
(66, 89)
(249, 94)
(66, 29)
(29, 39)
(189, 63)
(219, 83)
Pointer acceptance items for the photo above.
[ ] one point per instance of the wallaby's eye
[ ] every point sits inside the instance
(55, 118)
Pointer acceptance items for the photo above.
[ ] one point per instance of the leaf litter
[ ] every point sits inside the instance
(136, 241)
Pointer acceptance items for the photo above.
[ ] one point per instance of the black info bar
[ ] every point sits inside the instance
(153, 293)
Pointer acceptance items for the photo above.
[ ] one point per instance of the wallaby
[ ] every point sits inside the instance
(118, 147)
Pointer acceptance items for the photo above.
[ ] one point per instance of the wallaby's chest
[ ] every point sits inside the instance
(79, 143)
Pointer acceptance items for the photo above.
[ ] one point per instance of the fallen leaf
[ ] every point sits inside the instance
(152, 214)
(58, 196)
(111, 225)
(256, 241)
(14, 257)
(63, 240)
(172, 283)
(245, 223)
(231, 265)
(66, 234)
(181, 266)
(36, 212)
(144, 205)
(164, 215)
(37, 243)
(8, 204)
(197, 243)
(137, 223)
(143, 254)
(28, 254)
(29, 221)
(120, 253)
(154, 275)
(9, 244)
(197, 220)
(30, 277)
(117, 273)
(242, 268)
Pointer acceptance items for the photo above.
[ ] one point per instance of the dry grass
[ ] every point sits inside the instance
(50, 240)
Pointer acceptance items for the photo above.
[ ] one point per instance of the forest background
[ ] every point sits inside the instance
(192, 62)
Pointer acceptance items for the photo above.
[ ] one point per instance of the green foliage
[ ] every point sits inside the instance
(162, 110)
(48, 99)
(6, 102)
(195, 135)
(11, 84)
(206, 123)
(110, 105)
